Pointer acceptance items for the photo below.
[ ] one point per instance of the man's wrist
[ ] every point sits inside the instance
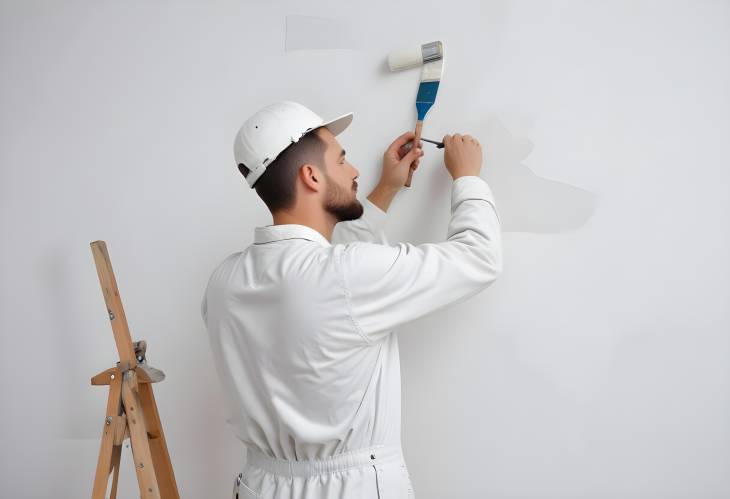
(383, 195)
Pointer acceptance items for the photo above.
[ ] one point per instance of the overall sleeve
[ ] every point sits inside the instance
(386, 286)
(369, 227)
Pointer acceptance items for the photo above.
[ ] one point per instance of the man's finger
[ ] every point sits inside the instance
(412, 155)
(408, 145)
(403, 139)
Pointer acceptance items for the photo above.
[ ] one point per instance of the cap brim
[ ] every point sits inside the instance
(337, 125)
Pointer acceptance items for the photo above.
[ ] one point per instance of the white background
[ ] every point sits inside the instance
(596, 366)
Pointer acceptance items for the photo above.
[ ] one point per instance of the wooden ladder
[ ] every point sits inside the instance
(131, 411)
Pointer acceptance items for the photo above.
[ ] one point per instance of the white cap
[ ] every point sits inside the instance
(272, 129)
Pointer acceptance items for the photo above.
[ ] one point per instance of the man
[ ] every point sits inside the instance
(301, 323)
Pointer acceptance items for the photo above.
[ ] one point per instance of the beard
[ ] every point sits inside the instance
(340, 204)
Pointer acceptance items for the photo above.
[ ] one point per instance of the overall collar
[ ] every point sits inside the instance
(278, 232)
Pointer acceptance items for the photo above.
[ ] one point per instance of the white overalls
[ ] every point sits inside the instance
(302, 335)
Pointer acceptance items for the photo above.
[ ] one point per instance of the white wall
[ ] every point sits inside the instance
(597, 366)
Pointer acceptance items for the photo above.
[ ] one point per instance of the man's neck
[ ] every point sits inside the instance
(322, 223)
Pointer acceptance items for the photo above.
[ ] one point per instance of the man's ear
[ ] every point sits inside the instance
(311, 176)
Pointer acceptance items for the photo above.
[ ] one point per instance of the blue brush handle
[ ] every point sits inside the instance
(426, 97)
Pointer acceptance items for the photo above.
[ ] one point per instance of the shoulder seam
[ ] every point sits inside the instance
(346, 293)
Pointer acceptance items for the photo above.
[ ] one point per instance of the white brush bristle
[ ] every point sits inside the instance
(405, 58)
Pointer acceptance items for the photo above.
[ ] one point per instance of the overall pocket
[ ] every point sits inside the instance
(407, 478)
(377, 482)
(392, 482)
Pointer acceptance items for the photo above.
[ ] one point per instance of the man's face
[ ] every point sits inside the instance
(341, 194)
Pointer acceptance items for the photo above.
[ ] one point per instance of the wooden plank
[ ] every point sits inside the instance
(120, 429)
(158, 445)
(145, 374)
(148, 374)
(142, 456)
(105, 377)
(109, 289)
(104, 463)
(116, 458)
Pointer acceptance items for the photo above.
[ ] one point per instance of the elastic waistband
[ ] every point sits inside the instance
(376, 454)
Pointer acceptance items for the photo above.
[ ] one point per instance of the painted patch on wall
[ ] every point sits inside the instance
(527, 202)
(318, 33)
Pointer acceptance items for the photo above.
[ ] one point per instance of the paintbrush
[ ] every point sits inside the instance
(431, 56)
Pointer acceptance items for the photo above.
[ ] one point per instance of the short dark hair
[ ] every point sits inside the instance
(277, 185)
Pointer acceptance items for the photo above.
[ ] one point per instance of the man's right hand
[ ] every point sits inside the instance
(398, 160)
(462, 155)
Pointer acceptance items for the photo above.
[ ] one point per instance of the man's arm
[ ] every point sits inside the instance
(386, 286)
(382, 196)
(369, 227)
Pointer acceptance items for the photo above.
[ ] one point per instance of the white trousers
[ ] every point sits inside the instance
(377, 472)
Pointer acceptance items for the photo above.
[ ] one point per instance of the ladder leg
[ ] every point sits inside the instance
(142, 457)
(116, 458)
(104, 463)
(158, 446)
